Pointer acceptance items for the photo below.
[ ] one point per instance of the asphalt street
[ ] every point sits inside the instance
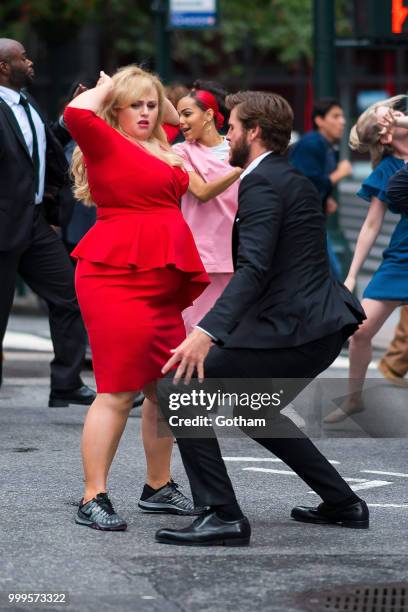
(43, 550)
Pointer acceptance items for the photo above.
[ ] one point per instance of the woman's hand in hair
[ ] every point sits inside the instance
(93, 99)
(104, 80)
(385, 119)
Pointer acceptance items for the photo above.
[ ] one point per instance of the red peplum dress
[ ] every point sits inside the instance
(138, 266)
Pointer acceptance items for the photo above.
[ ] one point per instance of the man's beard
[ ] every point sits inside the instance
(239, 153)
(20, 79)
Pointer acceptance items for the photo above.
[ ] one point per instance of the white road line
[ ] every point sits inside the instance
(291, 473)
(25, 382)
(371, 484)
(388, 505)
(343, 362)
(363, 485)
(20, 340)
(385, 473)
(27, 356)
(252, 459)
(270, 459)
(269, 471)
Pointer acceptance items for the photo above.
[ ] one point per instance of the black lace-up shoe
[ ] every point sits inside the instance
(355, 515)
(208, 530)
(83, 396)
(169, 499)
(98, 513)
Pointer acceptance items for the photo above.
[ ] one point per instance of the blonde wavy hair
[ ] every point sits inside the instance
(130, 83)
(365, 135)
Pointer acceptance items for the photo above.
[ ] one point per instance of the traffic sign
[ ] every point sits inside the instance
(193, 14)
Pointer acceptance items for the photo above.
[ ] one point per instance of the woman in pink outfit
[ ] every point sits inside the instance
(210, 204)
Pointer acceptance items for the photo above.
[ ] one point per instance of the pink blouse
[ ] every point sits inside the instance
(210, 222)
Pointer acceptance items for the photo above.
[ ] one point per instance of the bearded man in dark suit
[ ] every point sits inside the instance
(33, 170)
(281, 316)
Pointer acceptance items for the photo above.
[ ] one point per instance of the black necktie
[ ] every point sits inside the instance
(35, 157)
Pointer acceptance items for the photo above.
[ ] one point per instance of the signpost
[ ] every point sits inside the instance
(179, 15)
(193, 14)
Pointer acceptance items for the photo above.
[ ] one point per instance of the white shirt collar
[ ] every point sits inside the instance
(254, 163)
(11, 96)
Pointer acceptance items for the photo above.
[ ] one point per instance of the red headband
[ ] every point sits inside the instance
(209, 101)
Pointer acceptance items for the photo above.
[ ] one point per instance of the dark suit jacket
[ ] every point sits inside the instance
(282, 293)
(17, 181)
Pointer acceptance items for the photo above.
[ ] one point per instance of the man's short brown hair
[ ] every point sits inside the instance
(270, 111)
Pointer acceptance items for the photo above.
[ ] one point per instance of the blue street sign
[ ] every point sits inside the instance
(192, 14)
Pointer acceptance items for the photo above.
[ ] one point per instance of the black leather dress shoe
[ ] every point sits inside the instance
(208, 530)
(355, 515)
(82, 395)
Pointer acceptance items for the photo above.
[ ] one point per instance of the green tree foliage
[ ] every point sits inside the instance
(249, 32)
(50, 18)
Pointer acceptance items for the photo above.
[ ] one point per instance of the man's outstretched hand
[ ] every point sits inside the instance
(191, 354)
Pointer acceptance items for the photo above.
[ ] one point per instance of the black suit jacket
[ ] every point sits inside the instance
(17, 181)
(282, 293)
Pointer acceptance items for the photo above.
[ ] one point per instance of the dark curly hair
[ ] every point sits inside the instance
(217, 91)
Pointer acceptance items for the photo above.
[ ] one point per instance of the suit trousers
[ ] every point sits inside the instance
(46, 267)
(205, 468)
(396, 358)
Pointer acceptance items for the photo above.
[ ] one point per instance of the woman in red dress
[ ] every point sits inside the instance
(138, 268)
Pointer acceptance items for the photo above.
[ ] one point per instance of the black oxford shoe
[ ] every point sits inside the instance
(355, 515)
(82, 395)
(208, 530)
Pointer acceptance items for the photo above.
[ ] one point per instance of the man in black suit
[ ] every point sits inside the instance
(281, 316)
(33, 170)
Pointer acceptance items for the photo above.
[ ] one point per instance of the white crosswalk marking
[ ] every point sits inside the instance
(371, 484)
(381, 473)
(24, 341)
(269, 471)
(368, 484)
(387, 505)
(271, 459)
(343, 363)
(362, 484)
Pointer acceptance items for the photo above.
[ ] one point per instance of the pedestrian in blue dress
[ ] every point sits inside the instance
(378, 131)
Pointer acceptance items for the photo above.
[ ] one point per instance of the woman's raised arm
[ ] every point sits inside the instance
(92, 99)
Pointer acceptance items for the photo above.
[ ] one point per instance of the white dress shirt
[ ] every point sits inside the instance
(254, 163)
(12, 99)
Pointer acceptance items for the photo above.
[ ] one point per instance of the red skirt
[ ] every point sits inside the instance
(133, 320)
